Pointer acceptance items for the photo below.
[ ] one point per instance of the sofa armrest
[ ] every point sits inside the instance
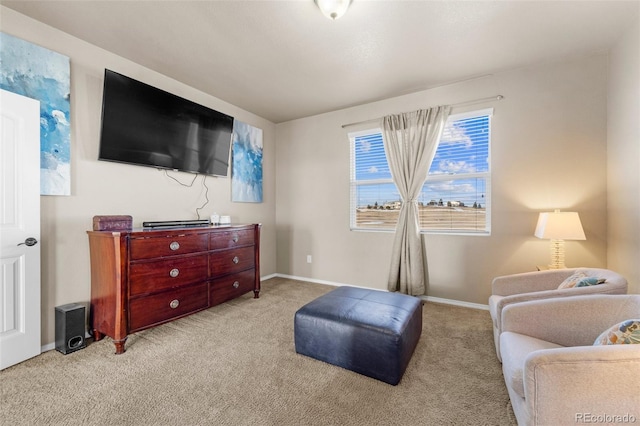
(528, 282)
(550, 294)
(569, 321)
(572, 385)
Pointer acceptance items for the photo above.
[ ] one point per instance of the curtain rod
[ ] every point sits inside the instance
(474, 101)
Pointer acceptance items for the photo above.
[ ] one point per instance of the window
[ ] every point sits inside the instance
(456, 195)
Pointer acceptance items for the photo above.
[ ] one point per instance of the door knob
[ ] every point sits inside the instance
(29, 242)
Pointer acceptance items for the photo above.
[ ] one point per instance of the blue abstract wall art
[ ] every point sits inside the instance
(33, 71)
(246, 165)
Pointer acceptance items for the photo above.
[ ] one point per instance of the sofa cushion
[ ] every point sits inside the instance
(572, 280)
(514, 349)
(589, 281)
(625, 332)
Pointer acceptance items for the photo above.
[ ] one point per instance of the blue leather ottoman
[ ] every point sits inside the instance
(367, 331)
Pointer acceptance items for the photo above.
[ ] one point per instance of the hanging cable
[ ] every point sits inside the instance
(183, 184)
(204, 184)
(206, 196)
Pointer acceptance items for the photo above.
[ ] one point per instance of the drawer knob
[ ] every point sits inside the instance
(236, 238)
(235, 259)
(174, 303)
(236, 284)
(174, 272)
(174, 245)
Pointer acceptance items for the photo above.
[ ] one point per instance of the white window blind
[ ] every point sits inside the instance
(454, 199)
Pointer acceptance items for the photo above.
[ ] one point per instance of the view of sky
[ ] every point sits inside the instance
(463, 150)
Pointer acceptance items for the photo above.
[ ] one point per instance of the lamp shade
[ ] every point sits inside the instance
(333, 9)
(559, 226)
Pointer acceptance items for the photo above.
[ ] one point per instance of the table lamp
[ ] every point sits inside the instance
(558, 226)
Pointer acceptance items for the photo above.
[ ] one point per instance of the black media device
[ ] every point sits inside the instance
(70, 328)
(176, 223)
(147, 126)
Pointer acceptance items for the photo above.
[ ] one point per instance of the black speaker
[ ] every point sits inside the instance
(70, 325)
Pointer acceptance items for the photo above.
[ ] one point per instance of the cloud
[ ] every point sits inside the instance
(454, 167)
(365, 145)
(372, 169)
(453, 187)
(456, 134)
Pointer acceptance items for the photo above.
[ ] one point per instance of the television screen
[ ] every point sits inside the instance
(147, 126)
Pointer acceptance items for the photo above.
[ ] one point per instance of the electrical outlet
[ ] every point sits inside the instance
(308, 258)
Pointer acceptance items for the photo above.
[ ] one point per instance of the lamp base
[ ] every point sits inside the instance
(557, 255)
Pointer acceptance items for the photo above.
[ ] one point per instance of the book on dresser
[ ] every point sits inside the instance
(147, 277)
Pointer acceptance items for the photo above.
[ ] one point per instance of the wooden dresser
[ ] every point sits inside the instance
(143, 278)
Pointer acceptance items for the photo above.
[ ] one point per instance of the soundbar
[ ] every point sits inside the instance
(175, 223)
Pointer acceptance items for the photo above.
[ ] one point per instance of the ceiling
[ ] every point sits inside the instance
(284, 60)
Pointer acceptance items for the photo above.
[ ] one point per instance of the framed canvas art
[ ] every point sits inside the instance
(246, 164)
(35, 72)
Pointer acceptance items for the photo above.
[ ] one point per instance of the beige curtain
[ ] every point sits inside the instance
(410, 142)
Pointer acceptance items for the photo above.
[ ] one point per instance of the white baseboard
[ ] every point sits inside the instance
(48, 347)
(427, 298)
(268, 277)
(456, 303)
(315, 281)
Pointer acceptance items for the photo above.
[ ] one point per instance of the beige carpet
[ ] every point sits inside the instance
(236, 364)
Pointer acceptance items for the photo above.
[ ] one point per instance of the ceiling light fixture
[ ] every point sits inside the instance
(333, 9)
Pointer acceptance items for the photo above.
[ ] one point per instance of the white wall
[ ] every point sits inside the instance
(623, 158)
(103, 188)
(548, 151)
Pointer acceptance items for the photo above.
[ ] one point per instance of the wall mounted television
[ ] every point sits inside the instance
(147, 126)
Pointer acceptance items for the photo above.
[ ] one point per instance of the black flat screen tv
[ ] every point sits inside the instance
(146, 126)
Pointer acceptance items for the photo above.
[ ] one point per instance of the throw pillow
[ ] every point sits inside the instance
(572, 280)
(626, 332)
(585, 282)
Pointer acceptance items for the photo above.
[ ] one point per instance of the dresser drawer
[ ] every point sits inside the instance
(151, 276)
(231, 286)
(232, 238)
(152, 310)
(170, 245)
(230, 261)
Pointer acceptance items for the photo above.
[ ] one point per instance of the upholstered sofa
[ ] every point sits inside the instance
(509, 289)
(554, 373)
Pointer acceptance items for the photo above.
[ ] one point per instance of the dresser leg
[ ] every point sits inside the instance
(120, 346)
(97, 336)
(256, 294)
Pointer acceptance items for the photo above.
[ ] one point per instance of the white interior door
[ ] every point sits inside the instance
(19, 228)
